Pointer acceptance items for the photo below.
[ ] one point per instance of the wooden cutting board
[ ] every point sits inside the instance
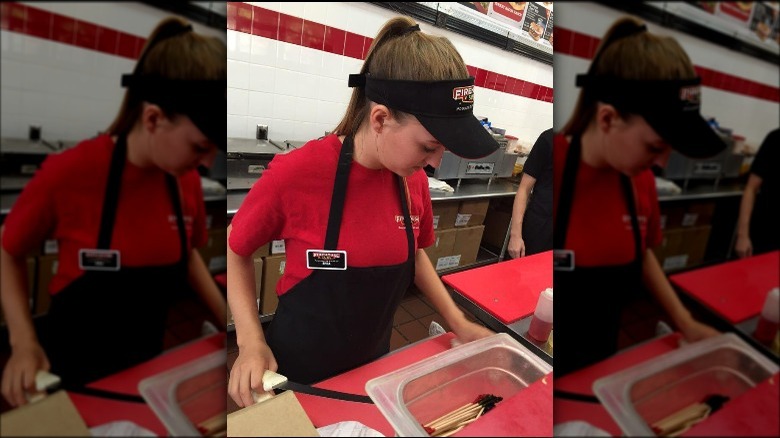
(508, 290)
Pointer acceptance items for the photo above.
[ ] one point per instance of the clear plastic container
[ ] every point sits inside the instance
(428, 389)
(639, 396)
(189, 395)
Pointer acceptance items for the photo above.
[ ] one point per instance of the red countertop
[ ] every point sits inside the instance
(507, 290)
(734, 290)
(97, 410)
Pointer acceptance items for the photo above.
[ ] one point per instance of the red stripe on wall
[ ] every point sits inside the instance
(573, 43)
(32, 21)
(254, 20)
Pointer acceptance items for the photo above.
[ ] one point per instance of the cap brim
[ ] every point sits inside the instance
(463, 136)
(687, 133)
(214, 128)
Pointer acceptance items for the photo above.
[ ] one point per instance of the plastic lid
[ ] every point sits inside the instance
(771, 309)
(548, 293)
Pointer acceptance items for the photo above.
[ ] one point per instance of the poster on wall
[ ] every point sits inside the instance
(738, 12)
(756, 22)
(535, 20)
(764, 21)
(508, 12)
(548, 31)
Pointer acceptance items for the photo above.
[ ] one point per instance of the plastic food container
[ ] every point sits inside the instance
(428, 389)
(639, 396)
(190, 397)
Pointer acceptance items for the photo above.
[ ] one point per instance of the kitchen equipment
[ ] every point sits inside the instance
(726, 164)
(247, 159)
(499, 164)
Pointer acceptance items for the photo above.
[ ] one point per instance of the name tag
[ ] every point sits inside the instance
(322, 259)
(563, 260)
(99, 260)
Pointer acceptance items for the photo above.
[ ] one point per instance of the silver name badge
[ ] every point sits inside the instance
(563, 260)
(99, 260)
(329, 260)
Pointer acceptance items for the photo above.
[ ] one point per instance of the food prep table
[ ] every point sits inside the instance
(733, 292)
(504, 295)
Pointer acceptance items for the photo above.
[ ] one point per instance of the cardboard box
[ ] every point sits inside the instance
(54, 415)
(467, 241)
(280, 415)
(273, 268)
(444, 213)
(497, 221)
(698, 214)
(262, 251)
(692, 214)
(47, 268)
(472, 212)
(276, 247)
(215, 249)
(442, 247)
(683, 247)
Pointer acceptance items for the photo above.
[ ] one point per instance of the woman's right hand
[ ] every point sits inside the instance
(516, 247)
(743, 247)
(19, 373)
(246, 375)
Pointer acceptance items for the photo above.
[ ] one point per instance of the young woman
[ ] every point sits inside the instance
(127, 211)
(640, 98)
(355, 213)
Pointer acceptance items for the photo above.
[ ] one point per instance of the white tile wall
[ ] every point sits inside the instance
(747, 116)
(305, 93)
(71, 92)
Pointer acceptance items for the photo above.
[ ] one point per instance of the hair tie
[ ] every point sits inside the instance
(409, 29)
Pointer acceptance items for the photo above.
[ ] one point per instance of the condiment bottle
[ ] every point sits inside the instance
(542, 321)
(769, 320)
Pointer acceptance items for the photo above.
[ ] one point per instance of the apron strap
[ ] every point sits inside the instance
(339, 194)
(111, 199)
(567, 195)
(570, 168)
(628, 192)
(404, 189)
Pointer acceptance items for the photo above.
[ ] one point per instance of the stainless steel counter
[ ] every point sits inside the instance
(705, 192)
(471, 189)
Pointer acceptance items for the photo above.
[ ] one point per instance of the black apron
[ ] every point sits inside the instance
(590, 299)
(335, 320)
(106, 321)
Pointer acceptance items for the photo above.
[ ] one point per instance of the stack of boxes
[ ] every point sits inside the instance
(269, 261)
(458, 227)
(686, 228)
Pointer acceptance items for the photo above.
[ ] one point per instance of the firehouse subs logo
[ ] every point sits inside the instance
(415, 222)
(326, 256)
(464, 94)
(690, 96)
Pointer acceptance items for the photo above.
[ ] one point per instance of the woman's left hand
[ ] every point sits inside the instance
(468, 331)
(695, 331)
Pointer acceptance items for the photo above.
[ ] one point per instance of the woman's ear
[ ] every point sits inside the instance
(151, 115)
(606, 115)
(377, 117)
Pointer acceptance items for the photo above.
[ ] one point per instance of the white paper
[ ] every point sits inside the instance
(347, 428)
(578, 428)
(120, 428)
